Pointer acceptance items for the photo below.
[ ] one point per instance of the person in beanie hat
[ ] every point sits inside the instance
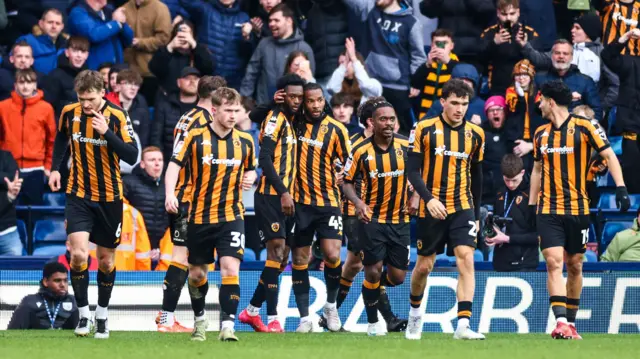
(591, 27)
(522, 116)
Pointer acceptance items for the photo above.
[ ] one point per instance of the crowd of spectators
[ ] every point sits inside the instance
(152, 53)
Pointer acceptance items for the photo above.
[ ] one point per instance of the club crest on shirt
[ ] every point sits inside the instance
(468, 134)
(571, 131)
(399, 152)
(518, 199)
(236, 142)
(324, 128)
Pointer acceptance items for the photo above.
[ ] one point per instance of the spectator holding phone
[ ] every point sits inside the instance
(298, 63)
(501, 50)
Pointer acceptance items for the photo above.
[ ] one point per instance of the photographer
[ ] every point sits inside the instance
(515, 241)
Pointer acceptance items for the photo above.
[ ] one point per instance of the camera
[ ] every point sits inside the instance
(492, 220)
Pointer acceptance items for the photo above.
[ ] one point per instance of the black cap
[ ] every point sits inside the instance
(189, 71)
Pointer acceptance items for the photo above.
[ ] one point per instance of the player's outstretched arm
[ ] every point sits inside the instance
(622, 196)
(535, 183)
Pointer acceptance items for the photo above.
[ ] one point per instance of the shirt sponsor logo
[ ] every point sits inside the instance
(396, 173)
(310, 142)
(94, 141)
(442, 151)
(229, 162)
(545, 149)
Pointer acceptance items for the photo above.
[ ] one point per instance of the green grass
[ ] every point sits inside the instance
(141, 345)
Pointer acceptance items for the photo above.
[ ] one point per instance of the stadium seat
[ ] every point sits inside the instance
(612, 118)
(445, 257)
(478, 256)
(50, 250)
(592, 233)
(343, 254)
(608, 201)
(249, 255)
(49, 231)
(610, 230)
(22, 230)
(591, 256)
(605, 181)
(152, 111)
(413, 254)
(53, 199)
(263, 255)
(616, 144)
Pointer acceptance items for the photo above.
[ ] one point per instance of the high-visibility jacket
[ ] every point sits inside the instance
(166, 253)
(133, 252)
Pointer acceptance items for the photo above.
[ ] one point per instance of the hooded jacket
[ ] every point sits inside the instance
(58, 85)
(151, 24)
(29, 130)
(628, 102)
(45, 51)
(220, 29)
(394, 47)
(147, 196)
(166, 66)
(107, 37)
(625, 246)
(8, 79)
(577, 82)
(32, 313)
(476, 105)
(167, 114)
(267, 65)
(327, 29)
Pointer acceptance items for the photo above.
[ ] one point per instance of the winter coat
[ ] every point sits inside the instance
(166, 66)
(8, 168)
(267, 65)
(8, 79)
(476, 105)
(151, 24)
(625, 246)
(327, 29)
(577, 82)
(167, 113)
(495, 148)
(220, 29)
(45, 51)
(138, 113)
(28, 130)
(519, 110)
(147, 196)
(58, 85)
(465, 18)
(32, 313)
(107, 37)
(628, 70)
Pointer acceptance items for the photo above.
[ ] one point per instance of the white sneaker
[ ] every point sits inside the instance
(465, 333)
(305, 327)
(414, 328)
(102, 329)
(333, 318)
(373, 330)
(84, 327)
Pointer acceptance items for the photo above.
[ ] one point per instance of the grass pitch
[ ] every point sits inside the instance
(142, 345)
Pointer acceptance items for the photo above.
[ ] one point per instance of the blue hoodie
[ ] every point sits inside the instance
(45, 52)
(476, 105)
(107, 38)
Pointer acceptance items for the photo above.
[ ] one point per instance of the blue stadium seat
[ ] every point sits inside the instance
(610, 230)
(445, 257)
(608, 201)
(605, 181)
(22, 230)
(263, 255)
(592, 233)
(592, 257)
(50, 250)
(249, 255)
(413, 254)
(54, 199)
(478, 256)
(343, 254)
(612, 118)
(49, 231)
(616, 144)
(152, 111)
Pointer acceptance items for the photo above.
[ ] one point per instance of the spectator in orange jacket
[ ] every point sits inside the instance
(28, 132)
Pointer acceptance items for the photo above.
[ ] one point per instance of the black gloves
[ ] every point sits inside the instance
(622, 199)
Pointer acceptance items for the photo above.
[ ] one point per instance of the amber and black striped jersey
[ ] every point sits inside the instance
(320, 144)
(277, 134)
(216, 166)
(197, 117)
(348, 208)
(384, 178)
(565, 153)
(448, 153)
(617, 18)
(95, 167)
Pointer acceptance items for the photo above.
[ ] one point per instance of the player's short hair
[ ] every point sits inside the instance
(282, 7)
(248, 103)
(52, 10)
(365, 111)
(311, 86)
(442, 33)
(105, 65)
(511, 165)
(219, 81)
(79, 43)
(379, 105)
(342, 98)
(88, 80)
(52, 268)
(226, 95)
(150, 149)
(21, 44)
(504, 4)
(457, 87)
(584, 111)
(558, 91)
(129, 76)
(206, 86)
(27, 75)
(290, 80)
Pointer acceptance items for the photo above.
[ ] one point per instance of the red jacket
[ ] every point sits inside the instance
(28, 130)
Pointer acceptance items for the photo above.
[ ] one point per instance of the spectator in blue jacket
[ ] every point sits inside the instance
(468, 74)
(106, 29)
(50, 44)
(584, 90)
(176, 10)
(20, 58)
(220, 25)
